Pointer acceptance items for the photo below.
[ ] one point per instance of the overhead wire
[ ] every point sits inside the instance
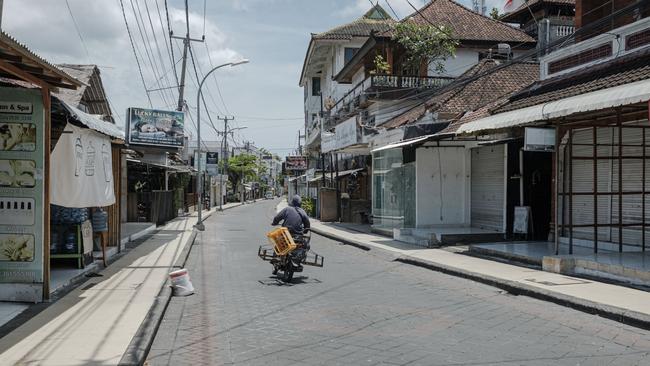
(128, 30)
(146, 42)
(160, 57)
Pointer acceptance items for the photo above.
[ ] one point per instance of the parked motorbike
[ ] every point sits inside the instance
(285, 265)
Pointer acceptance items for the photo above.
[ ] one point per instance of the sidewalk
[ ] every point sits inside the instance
(619, 303)
(95, 323)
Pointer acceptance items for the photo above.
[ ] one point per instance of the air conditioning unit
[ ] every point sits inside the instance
(539, 139)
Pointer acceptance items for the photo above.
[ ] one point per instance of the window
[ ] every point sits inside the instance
(315, 86)
(349, 53)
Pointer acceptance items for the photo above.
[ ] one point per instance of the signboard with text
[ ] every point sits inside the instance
(155, 127)
(21, 192)
(296, 163)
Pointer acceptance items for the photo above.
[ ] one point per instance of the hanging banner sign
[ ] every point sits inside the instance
(296, 163)
(21, 194)
(154, 127)
(82, 169)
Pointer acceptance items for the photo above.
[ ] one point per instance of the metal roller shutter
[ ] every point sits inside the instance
(488, 187)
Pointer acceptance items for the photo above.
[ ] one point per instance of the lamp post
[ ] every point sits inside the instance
(199, 187)
(224, 166)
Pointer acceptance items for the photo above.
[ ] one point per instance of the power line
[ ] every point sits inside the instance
(128, 31)
(76, 27)
(153, 32)
(146, 45)
(391, 9)
(169, 33)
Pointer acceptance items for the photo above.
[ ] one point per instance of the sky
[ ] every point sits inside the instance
(262, 95)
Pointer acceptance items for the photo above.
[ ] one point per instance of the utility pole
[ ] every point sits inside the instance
(300, 137)
(186, 46)
(224, 149)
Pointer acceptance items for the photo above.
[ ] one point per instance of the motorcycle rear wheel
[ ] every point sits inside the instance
(287, 273)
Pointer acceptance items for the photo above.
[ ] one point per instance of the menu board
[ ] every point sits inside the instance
(21, 186)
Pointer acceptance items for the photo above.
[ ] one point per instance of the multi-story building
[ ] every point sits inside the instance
(586, 121)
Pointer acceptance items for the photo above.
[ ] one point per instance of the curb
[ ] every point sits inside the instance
(138, 349)
(617, 314)
(140, 345)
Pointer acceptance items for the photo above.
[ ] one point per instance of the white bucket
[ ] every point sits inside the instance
(181, 284)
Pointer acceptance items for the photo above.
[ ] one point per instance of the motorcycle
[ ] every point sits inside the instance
(285, 265)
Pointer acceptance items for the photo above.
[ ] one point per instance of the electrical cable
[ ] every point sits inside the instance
(146, 49)
(76, 27)
(128, 30)
(160, 57)
(392, 10)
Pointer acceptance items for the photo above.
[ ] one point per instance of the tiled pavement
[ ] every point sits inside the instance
(363, 309)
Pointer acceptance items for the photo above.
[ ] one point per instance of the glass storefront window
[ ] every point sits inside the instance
(393, 204)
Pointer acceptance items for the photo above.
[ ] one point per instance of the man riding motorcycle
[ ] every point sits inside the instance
(296, 220)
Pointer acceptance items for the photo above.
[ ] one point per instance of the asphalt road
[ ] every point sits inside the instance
(364, 309)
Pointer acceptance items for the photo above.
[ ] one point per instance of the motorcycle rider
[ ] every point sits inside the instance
(296, 220)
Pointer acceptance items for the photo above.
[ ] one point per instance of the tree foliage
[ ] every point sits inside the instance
(241, 166)
(494, 14)
(425, 43)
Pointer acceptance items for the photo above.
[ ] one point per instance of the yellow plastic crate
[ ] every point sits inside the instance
(282, 241)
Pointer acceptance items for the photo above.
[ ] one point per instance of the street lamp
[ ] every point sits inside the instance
(224, 151)
(199, 187)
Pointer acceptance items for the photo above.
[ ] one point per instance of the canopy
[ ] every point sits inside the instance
(605, 98)
(94, 122)
(402, 143)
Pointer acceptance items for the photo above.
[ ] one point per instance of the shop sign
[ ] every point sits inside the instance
(212, 163)
(296, 163)
(202, 160)
(345, 134)
(21, 188)
(155, 127)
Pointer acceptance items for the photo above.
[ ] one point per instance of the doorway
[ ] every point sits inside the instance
(538, 190)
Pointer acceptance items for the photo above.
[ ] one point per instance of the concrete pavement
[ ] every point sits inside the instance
(363, 308)
(95, 323)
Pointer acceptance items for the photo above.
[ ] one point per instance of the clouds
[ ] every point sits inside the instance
(401, 7)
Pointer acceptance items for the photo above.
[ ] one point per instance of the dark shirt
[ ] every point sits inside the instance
(293, 218)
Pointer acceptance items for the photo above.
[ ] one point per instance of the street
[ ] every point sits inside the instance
(364, 309)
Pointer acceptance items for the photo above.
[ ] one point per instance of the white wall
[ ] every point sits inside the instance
(454, 196)
(454, 66)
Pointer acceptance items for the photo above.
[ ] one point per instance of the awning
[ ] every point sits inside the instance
(93, 122)
(606, 98)
(174, 168)
(402, 143)
(348, 172)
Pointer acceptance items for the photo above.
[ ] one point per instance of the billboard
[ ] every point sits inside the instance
(155, 127)
(296, 163)
(212, 163)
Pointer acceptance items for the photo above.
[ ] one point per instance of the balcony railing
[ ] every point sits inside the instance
(385, 87)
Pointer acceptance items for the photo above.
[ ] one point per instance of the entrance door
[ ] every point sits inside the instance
(488, 186)
(538, 190)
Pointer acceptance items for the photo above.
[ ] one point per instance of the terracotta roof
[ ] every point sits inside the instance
(624, 70)
(482, 112)
(469, 96)
(374, 20)
(466, 25)
(532, 4)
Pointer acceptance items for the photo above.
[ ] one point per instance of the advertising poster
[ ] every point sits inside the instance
(155, 127)
(212, 163)
(296, 163)
(21, 187)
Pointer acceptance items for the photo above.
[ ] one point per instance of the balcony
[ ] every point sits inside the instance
(384, 87)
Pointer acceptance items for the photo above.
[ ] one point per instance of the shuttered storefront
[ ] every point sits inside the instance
(583, 201)
(487, 187)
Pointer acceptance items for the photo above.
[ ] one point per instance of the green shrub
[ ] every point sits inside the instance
(308, 206)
